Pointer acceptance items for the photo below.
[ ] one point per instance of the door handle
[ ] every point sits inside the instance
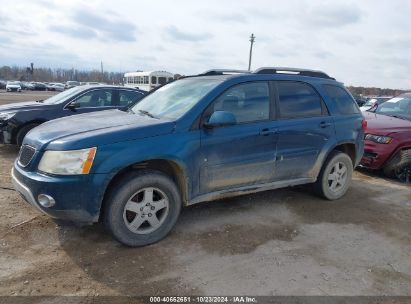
(324, 124)
(266, 132)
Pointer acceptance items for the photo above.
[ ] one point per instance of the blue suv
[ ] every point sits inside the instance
(201, 138)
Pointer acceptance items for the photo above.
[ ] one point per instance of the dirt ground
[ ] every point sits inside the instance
(282, 242)
(10, 97)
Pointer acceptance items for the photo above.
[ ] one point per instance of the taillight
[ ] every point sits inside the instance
(364, 124)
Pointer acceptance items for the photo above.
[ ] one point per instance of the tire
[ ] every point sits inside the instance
(23, 132)
(399, 166)
(339, 167)
(130, 210)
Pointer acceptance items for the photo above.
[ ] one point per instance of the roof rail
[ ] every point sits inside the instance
(223, 72)
(284, 70)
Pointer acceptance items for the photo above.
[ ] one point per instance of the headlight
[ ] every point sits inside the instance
(68, 162)
(6, 116)
(378, 139)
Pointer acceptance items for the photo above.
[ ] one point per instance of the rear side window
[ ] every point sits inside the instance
(344, 102)
(128, 97)
(297, 99)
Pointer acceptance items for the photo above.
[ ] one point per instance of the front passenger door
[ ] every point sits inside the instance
(244, 153)
(94, 100)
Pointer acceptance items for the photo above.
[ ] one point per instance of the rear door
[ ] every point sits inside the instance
(305, 129)
(127, 98)
(242, 154)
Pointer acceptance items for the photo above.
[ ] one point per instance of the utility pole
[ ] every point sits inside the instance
(252, 39)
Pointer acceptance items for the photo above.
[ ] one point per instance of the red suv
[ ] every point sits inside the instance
(388, 138)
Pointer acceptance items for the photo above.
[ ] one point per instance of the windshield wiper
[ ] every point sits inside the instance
(40, 101)
(147, 113)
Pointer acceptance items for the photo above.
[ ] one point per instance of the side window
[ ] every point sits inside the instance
(346, 105)
(128, 97)
(162, 80)
(248, 102)
(153, 80)
(96, 98)
(297, 99)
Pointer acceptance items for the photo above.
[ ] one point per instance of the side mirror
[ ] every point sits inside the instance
(73, 106)
(220, 119)
(374, 108)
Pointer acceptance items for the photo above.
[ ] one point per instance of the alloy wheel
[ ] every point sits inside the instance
(337, 177)
(146, 210)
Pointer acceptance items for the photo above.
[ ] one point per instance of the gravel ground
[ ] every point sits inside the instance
(282, 242)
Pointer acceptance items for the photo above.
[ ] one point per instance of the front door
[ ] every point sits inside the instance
(94, 100)
(242, 154)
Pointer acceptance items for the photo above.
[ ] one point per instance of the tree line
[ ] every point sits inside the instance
(63, 75)
(372, 91)
(58, 75)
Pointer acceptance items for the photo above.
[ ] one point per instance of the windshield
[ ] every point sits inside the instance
(61, 97)
(174, 100)
(13, 82)
(398, 106)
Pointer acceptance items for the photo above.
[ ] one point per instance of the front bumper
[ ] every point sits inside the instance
(78, 198)
(376, 155)
(5, 134)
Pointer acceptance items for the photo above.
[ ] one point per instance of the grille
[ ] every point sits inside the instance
(26, 155)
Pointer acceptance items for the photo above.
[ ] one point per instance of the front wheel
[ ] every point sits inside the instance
(400, 166)
(335, 176)
(142, 208)
(23, 132)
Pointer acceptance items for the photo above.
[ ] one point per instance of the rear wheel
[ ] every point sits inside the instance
(23, 132)
(335, 176)
(142, 208)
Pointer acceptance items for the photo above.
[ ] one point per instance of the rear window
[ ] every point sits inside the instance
(346, 105)
(297, 99)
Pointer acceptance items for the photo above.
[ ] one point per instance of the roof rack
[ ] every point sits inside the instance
(223, 72)
(294, 71)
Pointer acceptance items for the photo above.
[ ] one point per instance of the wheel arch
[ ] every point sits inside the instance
(172, 168)
(17, 130)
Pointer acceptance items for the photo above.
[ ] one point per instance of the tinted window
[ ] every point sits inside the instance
(297, 99)
(96, 98)
(153, 80)
(162, 80)
(344, 102)
(128, 97)
(248, 102)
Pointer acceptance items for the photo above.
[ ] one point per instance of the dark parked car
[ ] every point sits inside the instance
(196, 139)
(19, 118)
(388, 138)
(39, 86)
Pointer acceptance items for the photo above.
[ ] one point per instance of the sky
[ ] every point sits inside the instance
(361, 43)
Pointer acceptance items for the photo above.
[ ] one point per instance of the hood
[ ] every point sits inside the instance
(384, 125)
(95, 129)
(29, 105)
